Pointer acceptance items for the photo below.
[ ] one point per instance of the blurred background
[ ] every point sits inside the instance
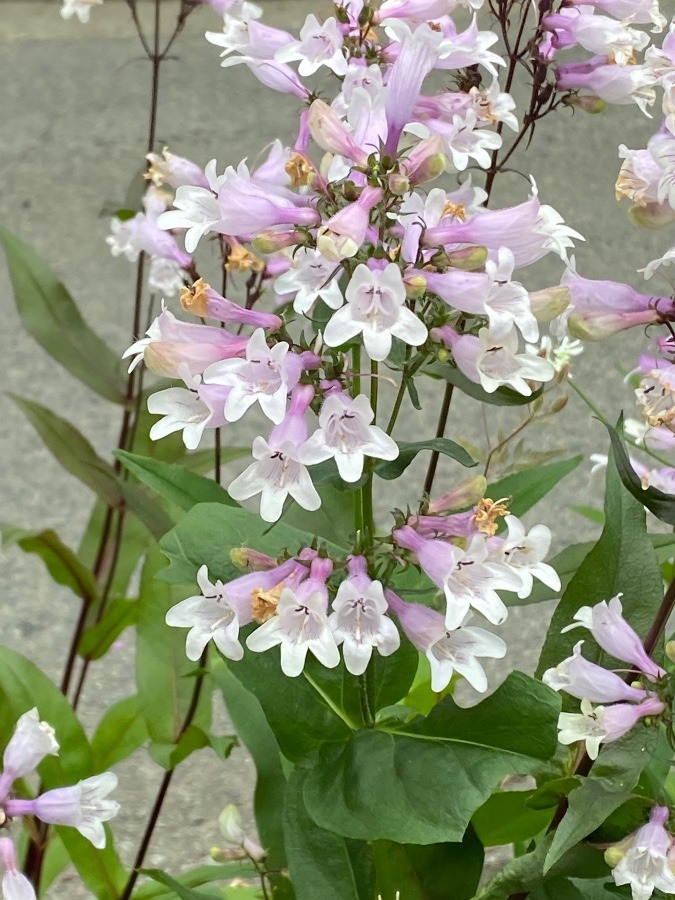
(74, 124)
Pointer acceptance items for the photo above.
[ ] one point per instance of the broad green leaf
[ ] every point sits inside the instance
(662, 505)
(503, 396)
(610, 783)
(322, 865)
(49, 314)
(176, 483)
(193, 879)
(248, 718)
(507, 818)
(527, 488)
(300, 713)
(332, 521)
(378, 781)
(180, 890)
(77, 456)
(623, 561)
(524, 873)
(163, 671)
(72, 450)
(428, 872)
(168, 756)
(100, 870)
(207, 533)
(120, 732)
(55, 861)
(97, 640)
(590, 512)
(409, 450)
(578, 889)
(24, 686)
(568, 561)
(62, 563)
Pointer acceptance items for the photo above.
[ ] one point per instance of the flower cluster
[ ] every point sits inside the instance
(83, 806)
(591, 683)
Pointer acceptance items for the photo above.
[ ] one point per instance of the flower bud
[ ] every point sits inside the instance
(271, 240)
(443, 355)
(652, 215)
(589, 103)
(549, 302)
(467, 493)
(398, 184)
(469, 259)
(246, 558)
(415, 286)
(330, 133)
(559, 403)
(670, 650)
(426, 161)
(230, 824)
(614, 855)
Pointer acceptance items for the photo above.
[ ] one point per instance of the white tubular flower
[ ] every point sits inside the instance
(83, 806)
(196, 209)
(15, 886)
(345, 433)
(375, 308)
(265, 376)
(31, 742)
(359, 620)
(585, 726)
(276, 474)
(645, 865)
(464, 140)
(299, 626)
(79, 8)
(182, 410)
(311, 277)
(165, 276)
(523, 553)
(319, 45)
(493, 363)
(211, 615)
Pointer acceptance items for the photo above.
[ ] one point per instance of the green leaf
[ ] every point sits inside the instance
(332, 521)
(322, 865)
(62, 563)
(180, 890)
(100, 870)
(49, 314)
(300, 713)
(194, 878)
(77, 456)
(408, 451)
(163, 670)
(207, 533)
(97, 640)
(524, 873)
(168, 756)
(662, 505)
(623, 561)
(610, 783)
(248, 718)
(120, 732)
(176, 483)
(507, 818)
(426, 872)
(378, 781)
(578, 889)
(503, 396)
(527, 488)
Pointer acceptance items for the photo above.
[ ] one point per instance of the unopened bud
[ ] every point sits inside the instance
(467, 493)
(589, 103)
(443, 354)
(559, 403)
(270, 241)
(613, 856)
(670, 650)
(432, 168)
(652, 215)
(549, 302)
(230, 824)
(469, 259)
(246, 558)
(415, 286)
(398, 184)
(224, 854)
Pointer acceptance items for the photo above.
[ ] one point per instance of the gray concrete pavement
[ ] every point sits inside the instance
(73, 113)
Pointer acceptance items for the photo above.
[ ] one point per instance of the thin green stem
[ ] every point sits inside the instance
(364, 694)
(440, 432)
(396, 409)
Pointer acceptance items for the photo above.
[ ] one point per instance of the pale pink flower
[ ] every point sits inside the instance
(319, 45)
